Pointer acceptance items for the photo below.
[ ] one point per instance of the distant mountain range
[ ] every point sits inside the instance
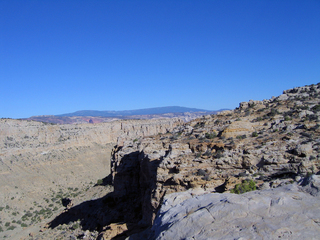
(93, 116)
(146, 111)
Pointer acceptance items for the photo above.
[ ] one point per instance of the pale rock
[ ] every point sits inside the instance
(237, 128)
(284, 212)
(283, 97)
(304, 113)
(303, 150)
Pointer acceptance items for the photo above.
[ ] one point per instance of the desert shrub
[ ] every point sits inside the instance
(254, 134)
(241, 136)
(316, 108)
(100, 182)
(75, 226)
(11, 227)
(245, 186)
(258, 119)
(309, 174)
(210, 135)
(287, 118)
(1, 208)
(272, 113)
(7, 224)
(24, 225)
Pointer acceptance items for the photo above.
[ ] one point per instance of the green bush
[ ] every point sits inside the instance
(273, 112)
(210, 135)
(241, 137)
(254, 134)
(245, 186)
(24, 225)
(287, 118)
(100, 182)
(11, 228)
(316, 108)
(75, 226)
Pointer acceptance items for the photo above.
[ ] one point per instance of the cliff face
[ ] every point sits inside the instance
(272, 142)
(39, 160)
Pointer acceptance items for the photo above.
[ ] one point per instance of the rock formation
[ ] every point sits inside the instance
(272, 142)
(287, 212)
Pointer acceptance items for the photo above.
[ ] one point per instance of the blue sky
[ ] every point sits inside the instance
(62, 56)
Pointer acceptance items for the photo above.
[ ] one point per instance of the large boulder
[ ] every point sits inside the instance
(289, 212)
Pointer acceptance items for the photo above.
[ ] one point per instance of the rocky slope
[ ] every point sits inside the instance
(271, 142)
(43, 163)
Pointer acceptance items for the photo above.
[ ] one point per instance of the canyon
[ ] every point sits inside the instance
(144, 179)
(42, 163)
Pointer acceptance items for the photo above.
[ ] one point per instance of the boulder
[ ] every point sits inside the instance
(288, 212)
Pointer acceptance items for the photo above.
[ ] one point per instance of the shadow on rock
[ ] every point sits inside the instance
(129, 203)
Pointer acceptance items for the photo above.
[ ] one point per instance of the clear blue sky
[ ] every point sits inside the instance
(62, 56)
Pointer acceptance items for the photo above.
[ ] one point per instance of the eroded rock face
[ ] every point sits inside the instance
(282, 213)
(264, 141)
(237, 128)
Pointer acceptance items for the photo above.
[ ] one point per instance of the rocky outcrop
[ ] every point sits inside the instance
(237, 128)
(287, 212)
(268, 142)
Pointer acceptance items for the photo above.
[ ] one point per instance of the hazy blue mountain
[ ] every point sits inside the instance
(146, 111)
